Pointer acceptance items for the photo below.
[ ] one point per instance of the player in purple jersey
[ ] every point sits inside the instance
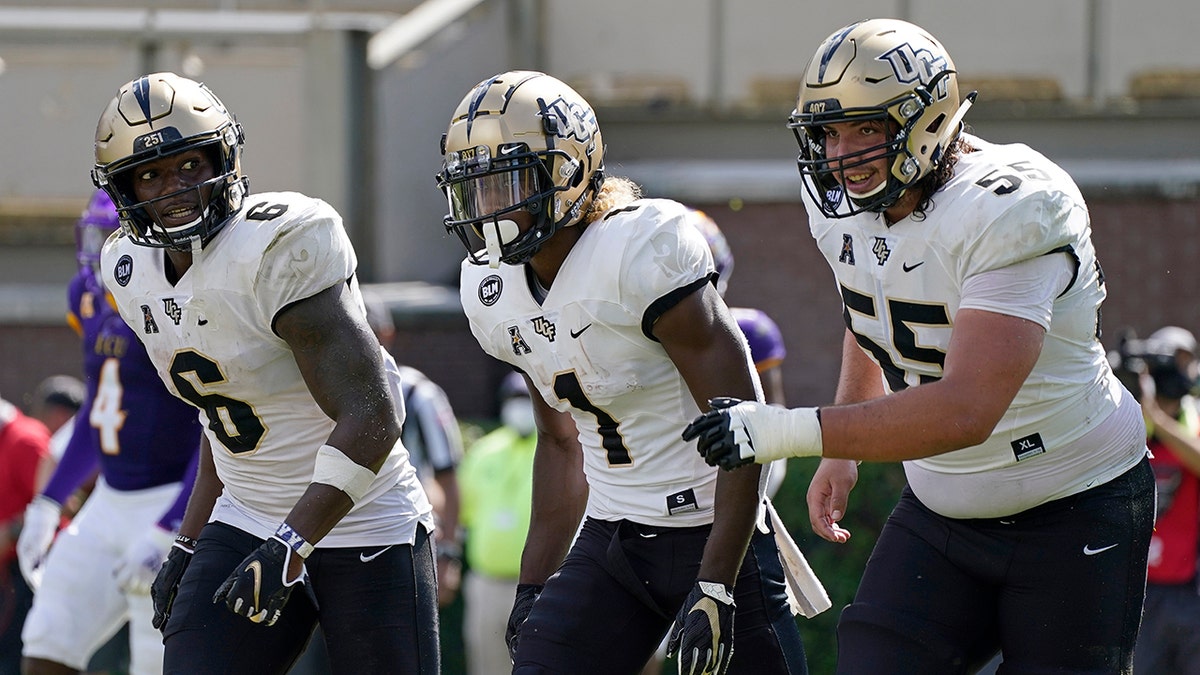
(144, 442)
(762, 334)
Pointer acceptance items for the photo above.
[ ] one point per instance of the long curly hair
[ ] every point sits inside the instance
(617, 191)
(935, 180)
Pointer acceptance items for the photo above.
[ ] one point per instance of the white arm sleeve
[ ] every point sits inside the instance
(1026, 289)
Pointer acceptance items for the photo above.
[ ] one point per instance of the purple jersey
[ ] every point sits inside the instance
(766, 341)
(139, 434)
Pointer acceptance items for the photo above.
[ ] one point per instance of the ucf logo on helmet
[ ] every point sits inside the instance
(567, 120)
(917, 65)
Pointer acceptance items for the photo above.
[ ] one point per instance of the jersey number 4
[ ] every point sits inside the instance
(107, 416)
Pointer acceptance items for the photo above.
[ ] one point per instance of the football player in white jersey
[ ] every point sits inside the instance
(972, 306)
(305, 508)
(606, 303)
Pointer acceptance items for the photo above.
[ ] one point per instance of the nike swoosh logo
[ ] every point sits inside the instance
(576, 334)
(202, 322)
(1088, 550)
(368, 558)
(255, 569)
(909, 268)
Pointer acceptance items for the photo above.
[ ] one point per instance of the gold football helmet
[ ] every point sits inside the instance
(158, 115)
(882, 69)
(521, 140)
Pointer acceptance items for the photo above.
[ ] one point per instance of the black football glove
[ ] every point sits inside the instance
(717, 442)
(526, 595)
(703, 630)
(166, 582)
(258, 589)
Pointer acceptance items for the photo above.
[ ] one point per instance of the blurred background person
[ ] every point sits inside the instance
(24, 445)
(143, 441)
(54, 402)
(1162, 371)
(435, 447)
(434, 441)
(496, 478)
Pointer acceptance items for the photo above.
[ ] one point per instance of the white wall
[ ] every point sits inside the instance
(775, 38)
(53, 87)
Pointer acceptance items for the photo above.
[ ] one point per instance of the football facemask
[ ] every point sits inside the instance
(886, 70)
(519, 142)
(158, 116)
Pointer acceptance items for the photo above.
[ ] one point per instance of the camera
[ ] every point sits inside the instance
(1154, 357)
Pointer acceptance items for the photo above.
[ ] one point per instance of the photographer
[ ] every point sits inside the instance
(1166, 369)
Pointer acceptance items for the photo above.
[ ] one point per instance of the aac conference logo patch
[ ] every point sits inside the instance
(123, 270)
(489, 289)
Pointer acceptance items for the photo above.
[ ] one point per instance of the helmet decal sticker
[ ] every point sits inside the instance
(833, 44)
(916, 66)
(570, 120)
(141, 93)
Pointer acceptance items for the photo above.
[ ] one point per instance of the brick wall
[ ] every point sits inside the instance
(1148, 248)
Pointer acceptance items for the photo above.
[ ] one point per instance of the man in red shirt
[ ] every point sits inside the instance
(24, 443)
(1169, 642)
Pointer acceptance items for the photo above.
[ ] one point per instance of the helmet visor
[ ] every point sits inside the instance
(498, 191)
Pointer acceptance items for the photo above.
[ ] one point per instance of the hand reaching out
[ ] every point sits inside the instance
(828, 494)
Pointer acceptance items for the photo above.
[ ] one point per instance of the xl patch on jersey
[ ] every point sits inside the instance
(682, 502)
(1029, 446)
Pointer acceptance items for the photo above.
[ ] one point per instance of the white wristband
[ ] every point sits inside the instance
(294, 540)
(777, 433)
(334, 468)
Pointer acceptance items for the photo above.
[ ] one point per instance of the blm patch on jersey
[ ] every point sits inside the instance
(490, 288)
(1029, 446)
(123, 270)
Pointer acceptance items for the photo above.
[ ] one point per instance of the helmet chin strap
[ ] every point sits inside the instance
(873, 191)
(496, 234)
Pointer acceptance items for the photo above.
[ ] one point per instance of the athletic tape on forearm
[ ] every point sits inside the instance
(335, 468)
(780, 432)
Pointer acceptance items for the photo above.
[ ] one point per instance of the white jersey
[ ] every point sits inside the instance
(901, 287)
(588, 349)
(211, 338)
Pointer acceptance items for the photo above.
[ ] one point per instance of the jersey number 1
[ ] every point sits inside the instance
(567, 387)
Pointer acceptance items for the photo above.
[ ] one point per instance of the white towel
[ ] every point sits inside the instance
(805, 593)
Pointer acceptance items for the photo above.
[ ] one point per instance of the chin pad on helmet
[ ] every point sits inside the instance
(495, 235)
